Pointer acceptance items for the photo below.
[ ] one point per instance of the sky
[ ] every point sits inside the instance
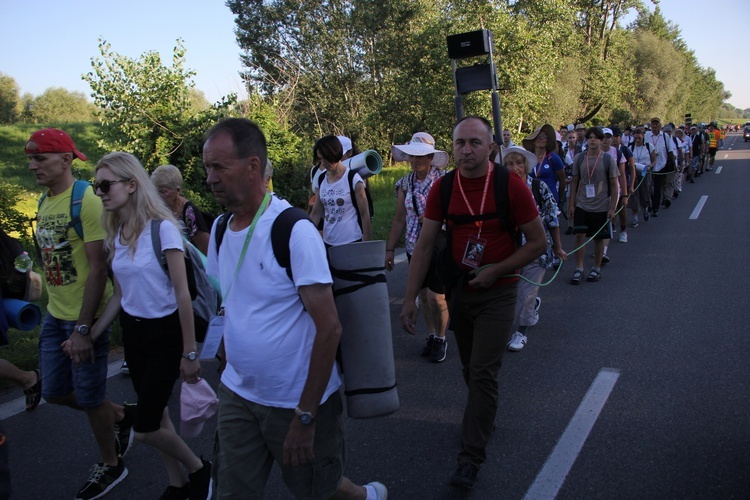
(50, 43)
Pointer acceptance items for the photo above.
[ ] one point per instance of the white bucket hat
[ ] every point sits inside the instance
(530, 157)
(421, 144)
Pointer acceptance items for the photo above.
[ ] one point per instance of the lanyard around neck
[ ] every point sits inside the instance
(484, 197)
(250, 230)
(589, 172)
(538, 168)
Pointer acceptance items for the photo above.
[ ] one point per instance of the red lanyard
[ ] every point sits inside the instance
(484, 197)
(589, 172)
(538, 168)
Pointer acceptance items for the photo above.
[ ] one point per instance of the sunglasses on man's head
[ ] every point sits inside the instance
(104, 186)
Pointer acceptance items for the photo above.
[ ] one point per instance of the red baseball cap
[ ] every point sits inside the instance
(52, 140)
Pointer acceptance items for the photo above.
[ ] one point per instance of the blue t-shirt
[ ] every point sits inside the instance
(547, 172)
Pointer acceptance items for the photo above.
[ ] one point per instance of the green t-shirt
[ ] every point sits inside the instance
(63, 254)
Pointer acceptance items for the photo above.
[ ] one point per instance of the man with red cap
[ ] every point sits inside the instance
(75, 269)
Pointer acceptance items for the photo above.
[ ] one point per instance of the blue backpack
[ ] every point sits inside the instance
(76, 203)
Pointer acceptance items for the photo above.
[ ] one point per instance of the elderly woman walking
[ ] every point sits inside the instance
(411, 195)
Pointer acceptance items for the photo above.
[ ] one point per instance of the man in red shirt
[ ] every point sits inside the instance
(483, 298)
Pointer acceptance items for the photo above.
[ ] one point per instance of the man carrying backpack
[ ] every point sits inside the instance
(279, 397)
(75, 269)
(482, 210)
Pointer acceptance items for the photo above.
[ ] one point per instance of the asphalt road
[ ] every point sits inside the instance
(632, 387)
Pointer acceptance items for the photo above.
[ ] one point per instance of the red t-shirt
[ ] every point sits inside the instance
(500, 244)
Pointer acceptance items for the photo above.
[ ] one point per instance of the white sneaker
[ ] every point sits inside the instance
(623, 237)
(517, 342)
(537, 305)
(381, 492)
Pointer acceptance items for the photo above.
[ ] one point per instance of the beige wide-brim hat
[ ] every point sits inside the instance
(421, 144)
(528, 142)
(530, 157)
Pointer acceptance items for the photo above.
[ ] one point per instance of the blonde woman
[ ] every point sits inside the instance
(155, 313)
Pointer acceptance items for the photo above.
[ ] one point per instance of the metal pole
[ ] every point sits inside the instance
(457, 99)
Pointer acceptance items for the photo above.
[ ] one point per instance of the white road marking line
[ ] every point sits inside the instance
(552, 476)
(18, 405)
(699, 207)
(718, 169)
(726, 155)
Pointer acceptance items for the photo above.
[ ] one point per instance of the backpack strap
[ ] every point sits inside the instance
(502, 202)
(350, 175)
(76, 205)
(221, 228)
(281, 234)
(156, 244)
(536, 191)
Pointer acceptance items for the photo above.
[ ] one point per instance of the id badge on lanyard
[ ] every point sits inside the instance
(474, 250)
(214, 334)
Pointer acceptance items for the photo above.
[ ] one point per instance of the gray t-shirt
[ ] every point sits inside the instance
(582, 165)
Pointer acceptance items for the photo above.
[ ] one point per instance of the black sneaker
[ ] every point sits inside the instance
(439, 349)
(175, 493)
(465, 476)
(427, 351)
(102, 479)
(124, 430)
(200, 482)
(605, 259)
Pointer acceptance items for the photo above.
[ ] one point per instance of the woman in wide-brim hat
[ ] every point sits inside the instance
(411, 194)
(549, 166)
(520, 161)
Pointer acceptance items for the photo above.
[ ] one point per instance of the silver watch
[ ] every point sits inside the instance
(192, 356)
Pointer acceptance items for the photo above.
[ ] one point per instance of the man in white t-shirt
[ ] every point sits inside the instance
(665, 152)
(279, 399)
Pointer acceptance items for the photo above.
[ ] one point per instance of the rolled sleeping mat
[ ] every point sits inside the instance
(22, 315)
(361, 295)
(365, 164)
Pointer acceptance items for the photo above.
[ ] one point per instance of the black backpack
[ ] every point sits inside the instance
(281, 233)
(447, 270)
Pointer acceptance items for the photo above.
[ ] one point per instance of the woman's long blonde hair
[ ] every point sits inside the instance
(145, 203)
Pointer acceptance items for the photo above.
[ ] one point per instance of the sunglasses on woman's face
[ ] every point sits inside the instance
(104, 186)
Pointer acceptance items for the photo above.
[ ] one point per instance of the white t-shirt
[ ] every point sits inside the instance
(662, 144)
(147, 291)
(268, 334)
(340, 210)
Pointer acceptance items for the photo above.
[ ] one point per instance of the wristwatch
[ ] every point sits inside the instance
(82, 330)
(192, 356)
(305, 417)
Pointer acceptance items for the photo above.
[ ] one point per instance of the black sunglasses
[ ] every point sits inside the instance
(104, 186)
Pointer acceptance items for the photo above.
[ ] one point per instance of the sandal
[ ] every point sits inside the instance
(594, 276)
(576, 279)
(34, 393)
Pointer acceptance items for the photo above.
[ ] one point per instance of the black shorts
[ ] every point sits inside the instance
(432, 280)
(153, 351)
(590, 222)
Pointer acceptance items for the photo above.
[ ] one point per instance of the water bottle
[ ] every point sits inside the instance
(23, 262)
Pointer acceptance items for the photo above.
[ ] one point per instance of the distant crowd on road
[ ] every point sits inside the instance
(479, 240)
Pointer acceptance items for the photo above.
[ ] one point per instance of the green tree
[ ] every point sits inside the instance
(145, 108)
(58, 105)
(10, 102)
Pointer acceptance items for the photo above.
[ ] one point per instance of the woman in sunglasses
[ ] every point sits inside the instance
(155, 312)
